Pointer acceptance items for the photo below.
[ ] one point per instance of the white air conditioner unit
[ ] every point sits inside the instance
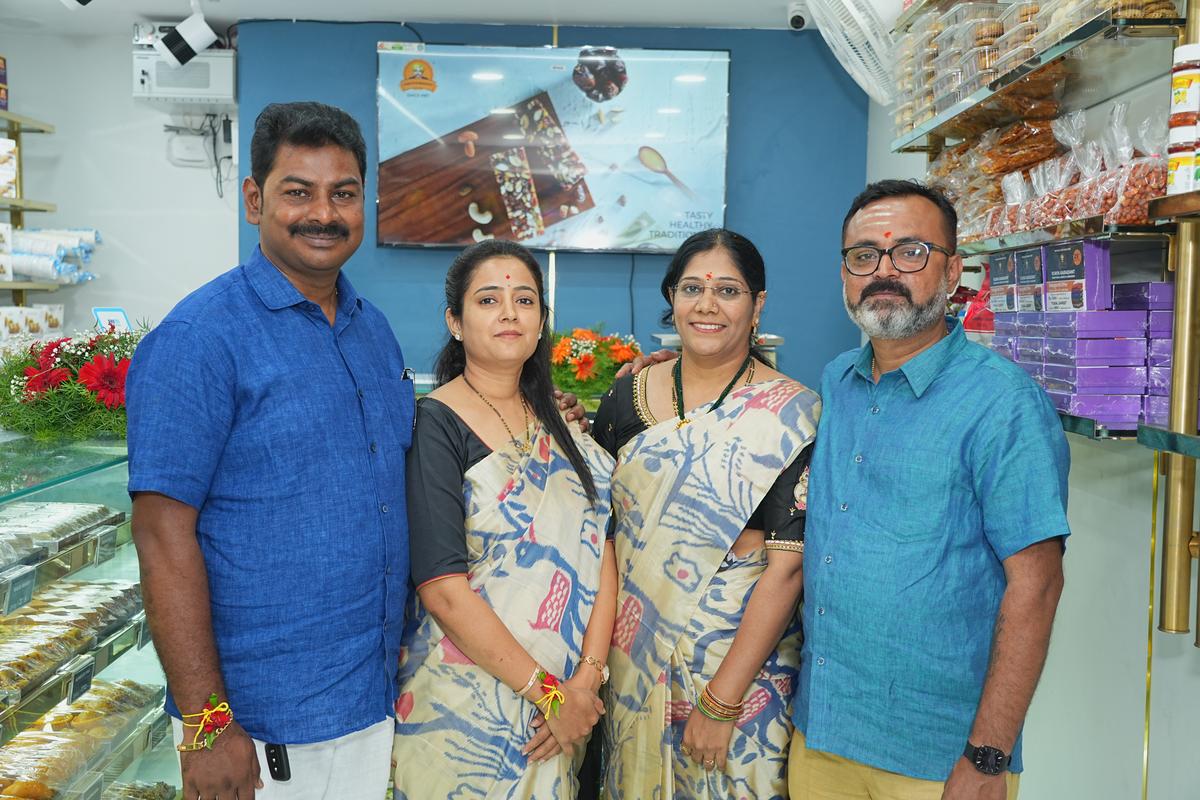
(209, 79)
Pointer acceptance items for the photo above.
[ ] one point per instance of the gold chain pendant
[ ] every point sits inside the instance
(682, 422)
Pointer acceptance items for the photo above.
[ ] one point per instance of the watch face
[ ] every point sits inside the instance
(989, 760)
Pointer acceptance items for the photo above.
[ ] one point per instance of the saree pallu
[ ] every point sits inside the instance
(534, 547)
(682, 496)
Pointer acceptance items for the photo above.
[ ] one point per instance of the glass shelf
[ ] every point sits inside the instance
(1108, 57)
(1175, 206)
(15, 122)
(1169, 441)
(1091, 228)
(21, 204)
(1090, 429)
(28, 465)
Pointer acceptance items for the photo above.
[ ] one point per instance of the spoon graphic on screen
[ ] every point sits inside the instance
(653, 160)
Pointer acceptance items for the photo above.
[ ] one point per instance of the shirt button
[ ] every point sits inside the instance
(821, 611)
(374, 447)
(384, 508)
(820, 661)
(844, 506)
(858, 459)
(874, 409)
(828, 559)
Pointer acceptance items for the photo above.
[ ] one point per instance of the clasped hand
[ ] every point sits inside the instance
(577, 715)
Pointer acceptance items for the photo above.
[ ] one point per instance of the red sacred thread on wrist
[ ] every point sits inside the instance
(212, 720)
(552, 697)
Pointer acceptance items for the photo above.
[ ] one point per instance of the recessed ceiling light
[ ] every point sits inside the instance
(670, 111)
(690, 78)
(502, 111)
(487, 76)
(512, 137)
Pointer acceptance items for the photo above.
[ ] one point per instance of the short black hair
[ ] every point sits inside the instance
(882, 190)
(305, 124)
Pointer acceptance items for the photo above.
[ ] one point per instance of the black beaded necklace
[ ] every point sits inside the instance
(677, 394)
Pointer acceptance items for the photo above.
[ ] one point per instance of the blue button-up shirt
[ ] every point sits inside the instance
(289, 437)
(921, 487)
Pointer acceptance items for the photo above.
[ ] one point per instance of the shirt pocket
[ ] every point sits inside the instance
(917, 502)
(399, 399)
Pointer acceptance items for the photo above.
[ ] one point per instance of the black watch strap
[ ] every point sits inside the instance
(988, 760)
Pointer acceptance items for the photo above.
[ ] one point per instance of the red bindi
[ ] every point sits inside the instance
(507, 277)
(887, 234)
(708, 276)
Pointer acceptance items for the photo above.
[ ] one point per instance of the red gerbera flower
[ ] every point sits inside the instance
(105, 376)
(45, 354)
(43, 380)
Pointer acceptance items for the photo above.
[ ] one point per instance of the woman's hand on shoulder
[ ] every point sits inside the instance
(639, 363)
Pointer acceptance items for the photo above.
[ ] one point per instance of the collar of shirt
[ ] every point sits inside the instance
(924, 367)
(277, 292)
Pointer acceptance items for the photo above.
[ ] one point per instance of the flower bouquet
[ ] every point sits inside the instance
(585, 360)
(72, 387)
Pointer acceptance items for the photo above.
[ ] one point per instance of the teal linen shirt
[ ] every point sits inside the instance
(921, 486)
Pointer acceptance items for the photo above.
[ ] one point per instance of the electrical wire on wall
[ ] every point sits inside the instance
(208, 130)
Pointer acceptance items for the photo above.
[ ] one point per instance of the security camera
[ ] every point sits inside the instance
(75, 4)
(189, 37)
(797, 16)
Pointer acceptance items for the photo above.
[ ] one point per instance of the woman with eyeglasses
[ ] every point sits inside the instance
(708, 495)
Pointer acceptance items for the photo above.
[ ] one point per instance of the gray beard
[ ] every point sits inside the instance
(892, 321)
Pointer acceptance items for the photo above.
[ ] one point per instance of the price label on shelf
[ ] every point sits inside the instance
(159, 729)
(80, 671)
(16, 586)
(143, 631)
(106, 544)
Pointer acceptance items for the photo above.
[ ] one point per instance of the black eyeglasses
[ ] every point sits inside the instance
(863, 259)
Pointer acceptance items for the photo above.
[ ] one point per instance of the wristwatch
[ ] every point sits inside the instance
(601, 668)
(988, 760)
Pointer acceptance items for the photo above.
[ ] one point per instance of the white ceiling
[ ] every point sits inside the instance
(110, 16)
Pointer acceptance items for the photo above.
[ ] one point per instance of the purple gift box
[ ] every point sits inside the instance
(1002, 270)
(1151, 295)
(1162, 324)
(1157, 410)
(1078, 276)
(1034, 371)
(1005, 346)
(1095, 380)
(1006, 324)
(1159, 382)
(1031, 281)
(1029, 349)
(1093, 406)
(1096, 324)
(1031, 323)
(1095, 352)
(1160, 352)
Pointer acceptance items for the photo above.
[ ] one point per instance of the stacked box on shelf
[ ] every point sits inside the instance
(1096, 356)
(1152, 297)
(1002, 274)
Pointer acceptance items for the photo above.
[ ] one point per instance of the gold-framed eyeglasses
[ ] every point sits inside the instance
(862, 260)
(724, 292)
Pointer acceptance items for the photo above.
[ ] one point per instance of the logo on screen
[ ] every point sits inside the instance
(418, 76)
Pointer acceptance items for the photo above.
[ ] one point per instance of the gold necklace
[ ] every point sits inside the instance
(677, 389)
(525, 447)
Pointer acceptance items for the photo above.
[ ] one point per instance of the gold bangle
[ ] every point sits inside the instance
(788, 545)
(537, 670)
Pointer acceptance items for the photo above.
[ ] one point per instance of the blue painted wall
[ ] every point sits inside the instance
(797, 156)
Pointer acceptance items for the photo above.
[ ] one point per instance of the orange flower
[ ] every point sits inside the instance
(585, 366)
(562, 349)
(585, 334)
(622, 352)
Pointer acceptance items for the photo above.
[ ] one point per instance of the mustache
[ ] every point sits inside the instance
(884, 285)
(308, 229)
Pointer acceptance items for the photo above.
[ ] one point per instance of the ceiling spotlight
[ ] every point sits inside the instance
(179, 46)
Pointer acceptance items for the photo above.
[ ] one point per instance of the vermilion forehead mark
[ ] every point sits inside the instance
(708, 276)
(887, 234)
(508, 277)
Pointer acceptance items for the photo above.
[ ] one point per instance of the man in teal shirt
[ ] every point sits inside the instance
(935, 529)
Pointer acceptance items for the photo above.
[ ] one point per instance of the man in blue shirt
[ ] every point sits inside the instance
(935, 529)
